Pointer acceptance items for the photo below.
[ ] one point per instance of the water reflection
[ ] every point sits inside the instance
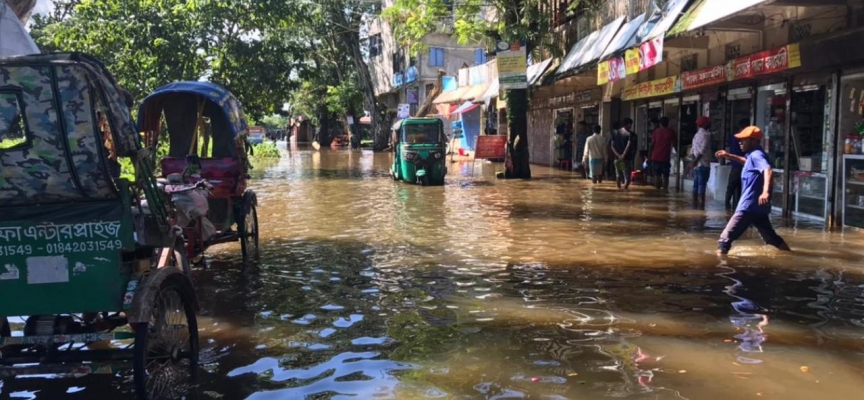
(482, 289)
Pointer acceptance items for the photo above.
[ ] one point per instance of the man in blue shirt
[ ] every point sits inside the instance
(755, 205)
(733, 187)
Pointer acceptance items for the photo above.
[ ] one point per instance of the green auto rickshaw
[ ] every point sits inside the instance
(419, 151)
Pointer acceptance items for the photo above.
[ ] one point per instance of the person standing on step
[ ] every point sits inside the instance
(701, 152)
(662, 140)
(755, 205)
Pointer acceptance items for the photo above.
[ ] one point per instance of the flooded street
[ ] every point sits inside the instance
(485, 289)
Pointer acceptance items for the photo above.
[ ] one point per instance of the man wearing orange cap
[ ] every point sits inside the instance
(701, 152)
(754, 208)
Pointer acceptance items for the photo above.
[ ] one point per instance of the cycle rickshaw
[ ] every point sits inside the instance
(89, 261)
(206, 162)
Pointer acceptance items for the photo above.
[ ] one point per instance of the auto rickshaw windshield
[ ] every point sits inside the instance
(422, 133)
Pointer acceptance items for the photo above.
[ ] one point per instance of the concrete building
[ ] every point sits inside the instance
(402, 78)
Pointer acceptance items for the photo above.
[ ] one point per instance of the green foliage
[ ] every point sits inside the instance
(266, 149)
(149, 43)
(475, 21)
(274, 121)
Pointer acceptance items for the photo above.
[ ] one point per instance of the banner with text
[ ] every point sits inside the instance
(703, 77)
(659, 87)
(492, 146)
(611, 70)
(644, 56)
(512, 65)
(765, 62)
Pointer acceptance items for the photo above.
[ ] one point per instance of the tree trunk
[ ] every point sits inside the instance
(351, 41)
(518, 164)
(325, 122)
(430, 97)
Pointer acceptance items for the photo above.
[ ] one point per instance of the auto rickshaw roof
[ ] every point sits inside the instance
(419, 121)
(216, 94)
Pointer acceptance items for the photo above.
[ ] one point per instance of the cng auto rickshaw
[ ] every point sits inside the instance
(419, 151)
(206, 130)
(89, 262)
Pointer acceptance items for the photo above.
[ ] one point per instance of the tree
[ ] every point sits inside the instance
(149, 43)
(266, 52)
(485, 21)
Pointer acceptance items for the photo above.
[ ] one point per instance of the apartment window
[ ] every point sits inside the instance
(436, 57)
(479, 56)
(689, 63)
(375, 45)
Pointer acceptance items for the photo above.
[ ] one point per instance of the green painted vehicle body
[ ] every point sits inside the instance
(67, 234)
(420, 152)
(65, 259)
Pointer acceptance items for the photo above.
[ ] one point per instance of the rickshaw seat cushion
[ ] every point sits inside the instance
(225, 174)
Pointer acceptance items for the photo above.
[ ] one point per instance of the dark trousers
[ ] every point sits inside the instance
(733, 188)
(739, 223)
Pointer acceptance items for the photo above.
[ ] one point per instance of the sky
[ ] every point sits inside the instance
(43, 6)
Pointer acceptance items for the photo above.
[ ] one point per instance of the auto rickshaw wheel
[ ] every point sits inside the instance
(5, 329)
(165, 358)
(249, 234)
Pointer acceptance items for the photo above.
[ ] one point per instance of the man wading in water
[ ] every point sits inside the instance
(755, 205)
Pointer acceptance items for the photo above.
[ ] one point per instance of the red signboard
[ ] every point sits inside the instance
(490, 146)
(765, 62)
(703, 77)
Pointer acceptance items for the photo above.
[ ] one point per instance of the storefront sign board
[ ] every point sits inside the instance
(659, 87)
(765, 62)
(703, 77)
(603, 73)
(512, 65)
(492, 146)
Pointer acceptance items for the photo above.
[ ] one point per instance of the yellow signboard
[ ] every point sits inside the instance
(632, 60)
(603, 73)
(659, 87)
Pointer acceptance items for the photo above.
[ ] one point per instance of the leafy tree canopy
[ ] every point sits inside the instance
(264, 51)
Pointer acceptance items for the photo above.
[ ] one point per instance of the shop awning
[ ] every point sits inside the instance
(704, 12)
(465, 107)
(624, 36)
(452, 96)
(474, 93)
(590, 48)
(536, 70)
(492, 91)
(660, 21)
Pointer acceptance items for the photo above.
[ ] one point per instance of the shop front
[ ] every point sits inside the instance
(851, 129)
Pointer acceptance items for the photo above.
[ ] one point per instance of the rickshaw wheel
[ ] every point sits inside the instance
(165, 356)
(180, 259)
(249, 234)
(5, 330)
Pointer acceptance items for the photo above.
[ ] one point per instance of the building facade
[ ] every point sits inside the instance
(791, 67)
(403, 78)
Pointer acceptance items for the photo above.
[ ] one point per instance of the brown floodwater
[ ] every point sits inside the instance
(485, 289)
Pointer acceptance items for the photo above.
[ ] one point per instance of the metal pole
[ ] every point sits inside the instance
(835, 159)
(679, 180)
(787, 156)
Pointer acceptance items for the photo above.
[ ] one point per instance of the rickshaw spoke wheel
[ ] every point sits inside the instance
(166, 348)
(249, 235)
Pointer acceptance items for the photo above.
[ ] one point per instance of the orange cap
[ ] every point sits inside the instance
(702, 121)
(750, 132)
